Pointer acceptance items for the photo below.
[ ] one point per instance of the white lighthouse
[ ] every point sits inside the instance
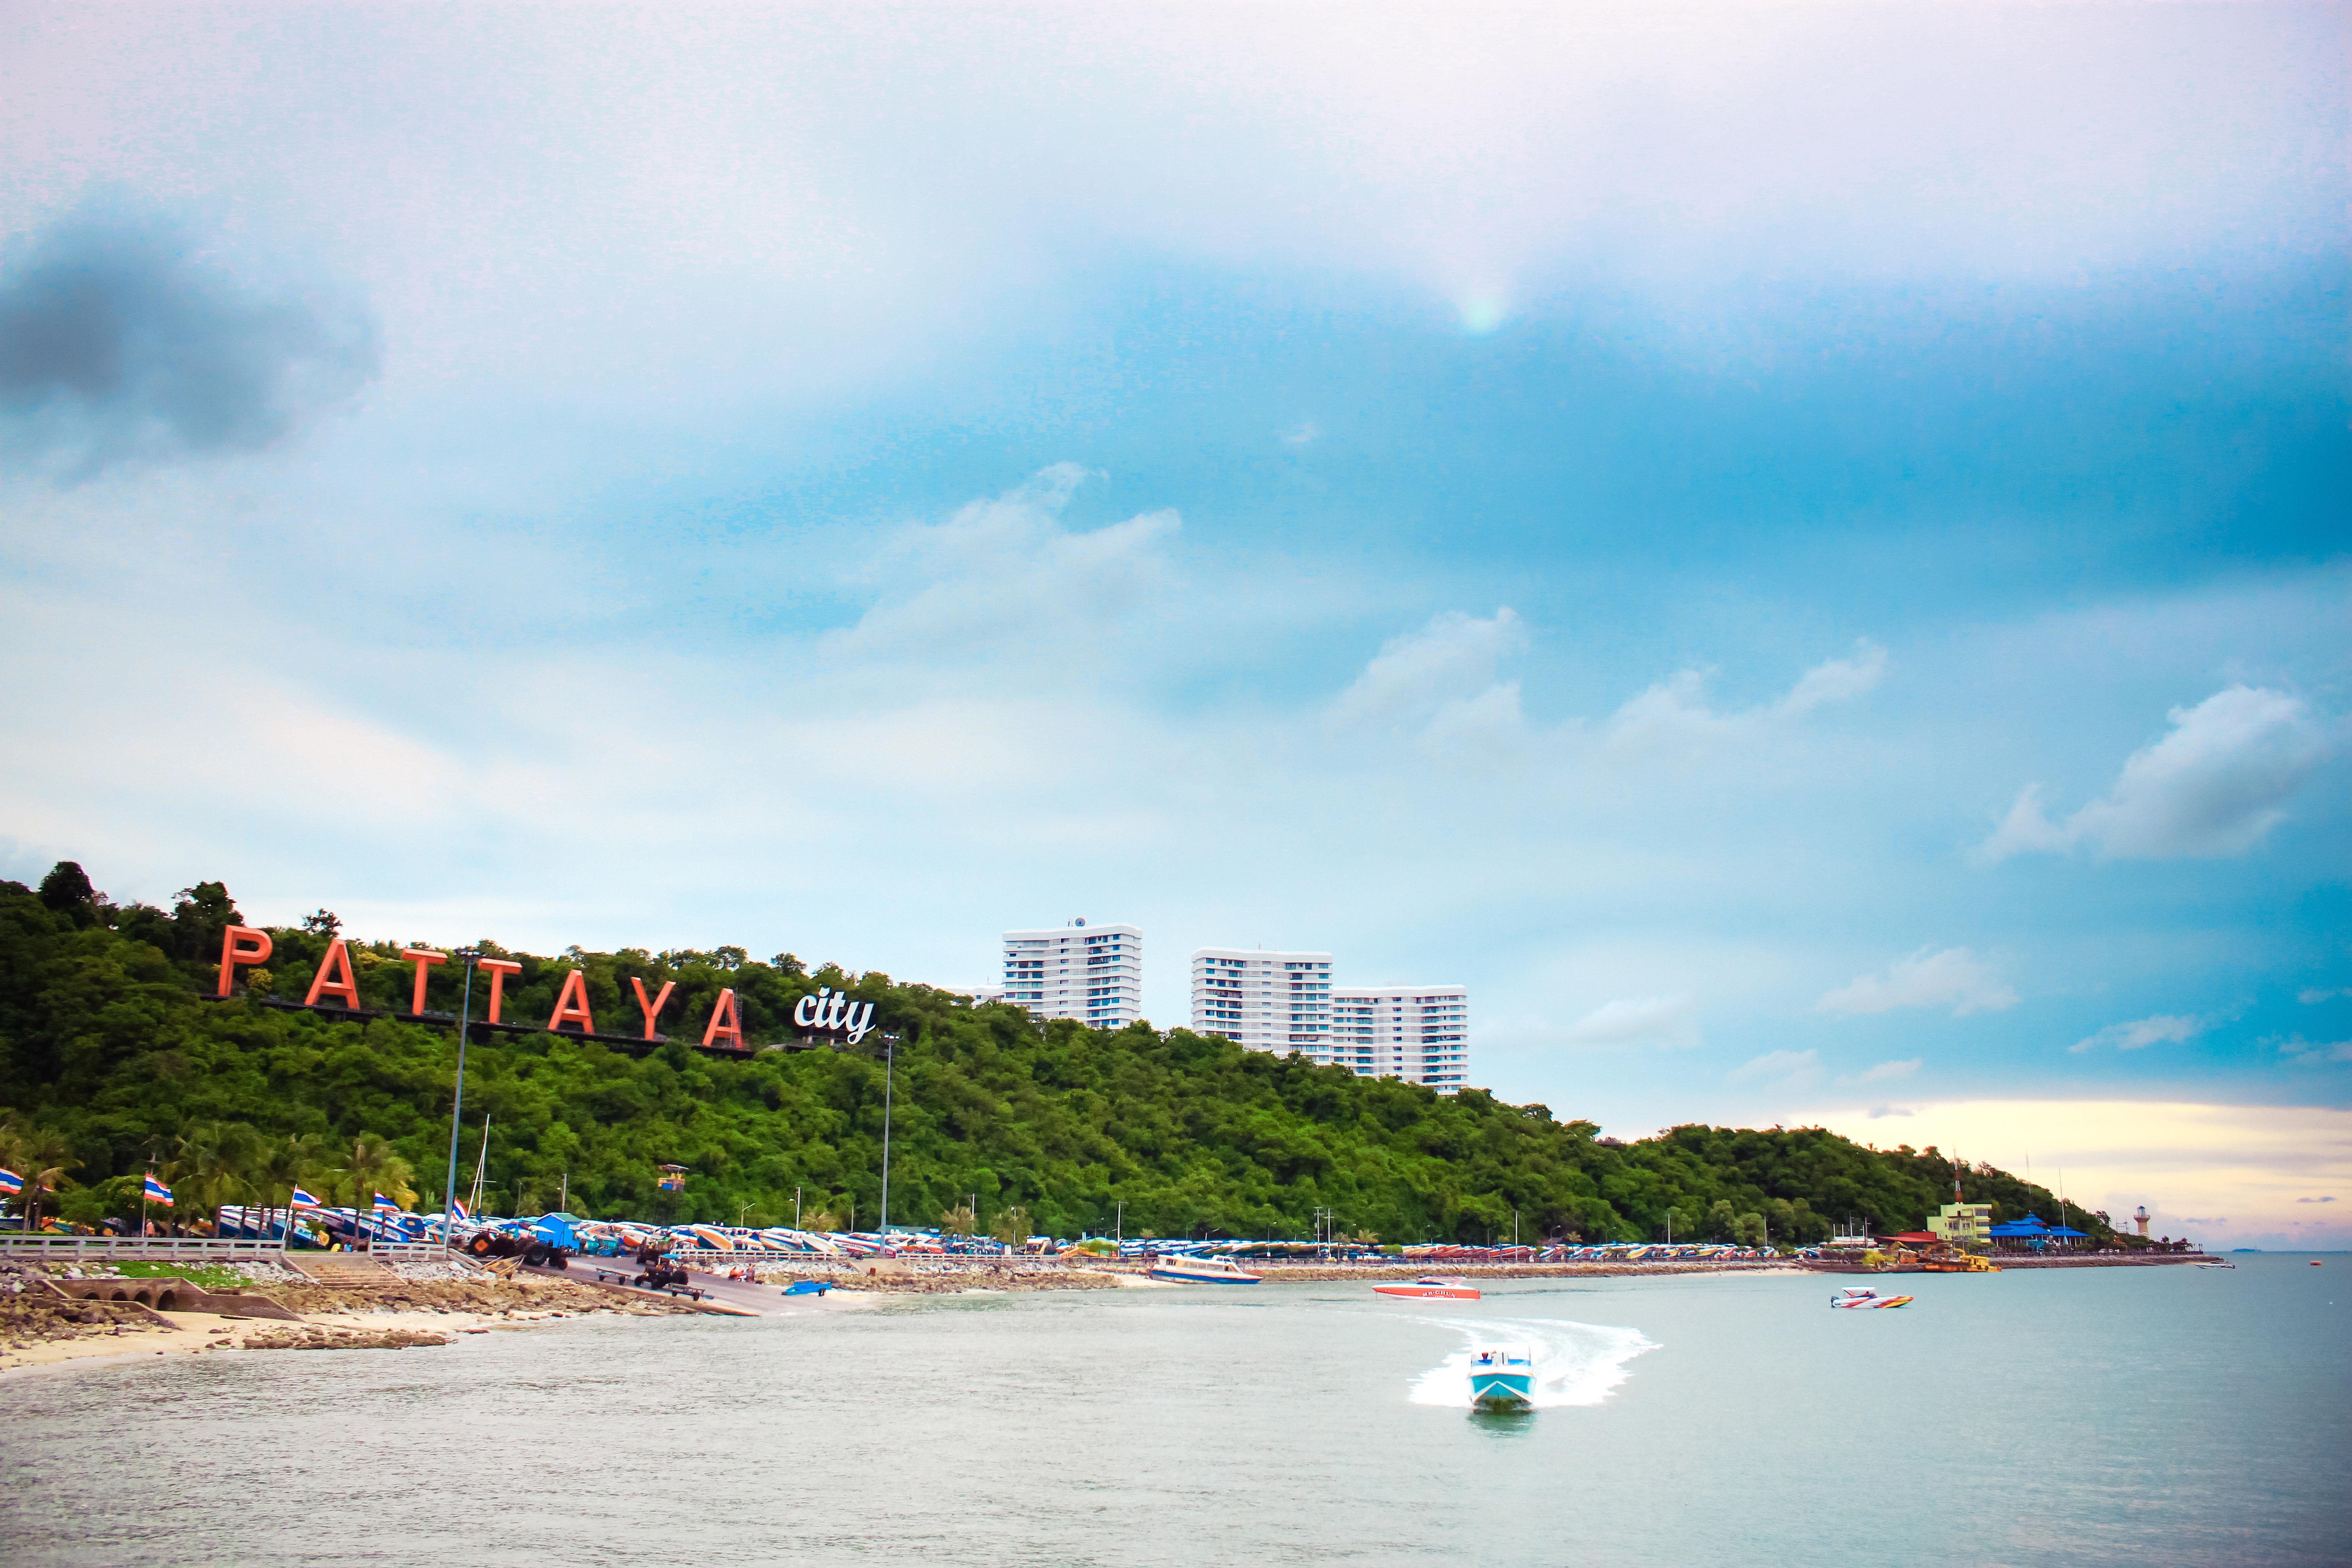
(2142, 1217)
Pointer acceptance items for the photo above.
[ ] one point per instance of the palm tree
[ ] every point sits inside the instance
(216, 1163)
(285, 1165)
(41, 1158)
(370, 1168)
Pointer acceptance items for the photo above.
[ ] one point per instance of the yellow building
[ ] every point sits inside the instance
(1968, 1227)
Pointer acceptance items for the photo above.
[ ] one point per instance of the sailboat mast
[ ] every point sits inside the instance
(479, 1164)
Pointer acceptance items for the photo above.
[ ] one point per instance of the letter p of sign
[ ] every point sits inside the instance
(241, 944)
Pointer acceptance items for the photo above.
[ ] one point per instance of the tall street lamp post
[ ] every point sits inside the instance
(890, 1066)
(470, 956)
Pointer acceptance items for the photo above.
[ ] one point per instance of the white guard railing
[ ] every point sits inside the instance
(194, 1247)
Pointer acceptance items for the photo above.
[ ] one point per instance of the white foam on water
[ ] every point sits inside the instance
(1576, 1364)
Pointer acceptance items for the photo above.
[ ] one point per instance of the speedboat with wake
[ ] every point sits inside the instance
(1864, 1296)
(1440, 1287)
(1502, 1377)
(2215, 1263)
(1202, 1271)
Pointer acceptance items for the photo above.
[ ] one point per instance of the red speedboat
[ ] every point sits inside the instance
(1445, 1286)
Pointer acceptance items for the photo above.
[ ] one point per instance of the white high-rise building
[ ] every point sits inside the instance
(1418, 1033)
(1267, 1001)
(1094, 973)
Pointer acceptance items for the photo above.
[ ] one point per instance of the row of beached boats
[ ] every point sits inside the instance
(1180, 1269)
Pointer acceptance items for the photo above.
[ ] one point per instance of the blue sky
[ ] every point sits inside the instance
(1800, 552)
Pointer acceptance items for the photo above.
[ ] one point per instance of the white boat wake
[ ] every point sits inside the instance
(1576, 1364)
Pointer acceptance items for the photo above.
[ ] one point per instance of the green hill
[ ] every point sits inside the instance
(111, 1053)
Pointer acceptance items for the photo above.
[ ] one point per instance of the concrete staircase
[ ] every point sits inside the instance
(346, 1269)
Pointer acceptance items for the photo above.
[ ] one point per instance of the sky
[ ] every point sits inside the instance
(1801, 552)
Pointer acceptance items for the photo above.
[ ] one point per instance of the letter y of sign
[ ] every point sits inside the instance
(652, 1009)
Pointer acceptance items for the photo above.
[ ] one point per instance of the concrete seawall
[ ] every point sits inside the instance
(172, 1294)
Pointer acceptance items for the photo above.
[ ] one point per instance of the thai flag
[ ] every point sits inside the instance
(156, 1190)
(302, 1200)
(385, 1205)
(458, 1206)
(11, 1184)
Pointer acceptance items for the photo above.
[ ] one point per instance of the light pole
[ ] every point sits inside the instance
(797, 1209)
(470, 956)
(889, 1065)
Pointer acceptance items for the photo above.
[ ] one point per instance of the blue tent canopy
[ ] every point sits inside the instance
(2032, 1228)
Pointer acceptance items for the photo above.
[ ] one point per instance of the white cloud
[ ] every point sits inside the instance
(1674, 714)
(1002, 579)
(1779, 1066)
(1657, 1020)
(2303, 1053)
(2313, 996)
(1924, 979)
(2215, 786)
(1886, 1072)
(1441, 680)
(1300, 434)
(1835, 680)
(2141, 1032)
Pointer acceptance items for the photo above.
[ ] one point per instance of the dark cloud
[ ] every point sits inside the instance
(119, 340)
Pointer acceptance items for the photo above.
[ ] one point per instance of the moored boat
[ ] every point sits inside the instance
(1958, 1263)
(1445, 1286)
(1864, 1296)
(1502, 1377)
(1202, 1271)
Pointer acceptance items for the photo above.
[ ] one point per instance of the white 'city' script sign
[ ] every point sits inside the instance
(833, 1012)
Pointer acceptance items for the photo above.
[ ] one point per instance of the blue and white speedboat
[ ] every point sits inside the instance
(1502, 1377)
(1202, 1271)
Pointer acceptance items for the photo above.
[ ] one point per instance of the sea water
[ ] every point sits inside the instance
(2119, 1415)
(1574, 1363)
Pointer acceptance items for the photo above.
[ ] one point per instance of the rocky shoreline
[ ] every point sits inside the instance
(41, 1327)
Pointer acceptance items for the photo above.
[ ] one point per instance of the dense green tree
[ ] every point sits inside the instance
(67, 888)
(112, 1047)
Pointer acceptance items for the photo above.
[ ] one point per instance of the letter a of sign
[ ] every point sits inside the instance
(726, 1022)
(571, 1005)
(652, 1009)
(338, 962)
